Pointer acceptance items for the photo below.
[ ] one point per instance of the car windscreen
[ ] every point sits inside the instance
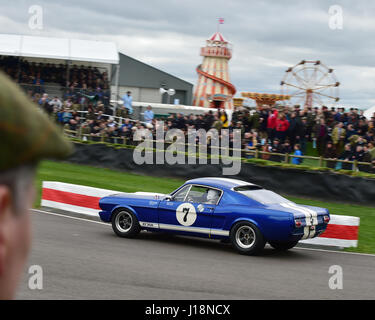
(260, 195)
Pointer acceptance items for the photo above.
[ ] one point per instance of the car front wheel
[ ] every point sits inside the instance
(125, 224)
(283, 245)
(246, 238)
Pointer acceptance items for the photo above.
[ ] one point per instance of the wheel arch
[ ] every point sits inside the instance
(121, 206)
(246, 219)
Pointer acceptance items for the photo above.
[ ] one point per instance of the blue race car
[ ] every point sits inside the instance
(218, 208)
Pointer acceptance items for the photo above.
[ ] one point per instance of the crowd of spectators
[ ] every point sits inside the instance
(333, 133)
(34, 75)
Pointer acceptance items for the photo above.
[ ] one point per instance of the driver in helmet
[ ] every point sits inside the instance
(212, 196)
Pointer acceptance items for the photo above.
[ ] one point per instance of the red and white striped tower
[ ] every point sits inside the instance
(213, 88)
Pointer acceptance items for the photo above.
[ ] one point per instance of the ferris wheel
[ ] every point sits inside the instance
(310, 84)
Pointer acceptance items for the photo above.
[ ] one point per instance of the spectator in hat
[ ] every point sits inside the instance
(27, 136)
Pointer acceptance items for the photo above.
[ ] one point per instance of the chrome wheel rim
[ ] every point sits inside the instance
(245, 237)
(124, 221)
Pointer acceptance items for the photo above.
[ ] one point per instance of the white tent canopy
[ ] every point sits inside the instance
(59, 48)
(369, 112)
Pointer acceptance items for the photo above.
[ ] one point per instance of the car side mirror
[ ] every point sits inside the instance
(168, 198)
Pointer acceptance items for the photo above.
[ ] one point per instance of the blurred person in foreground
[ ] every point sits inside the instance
(27, 136)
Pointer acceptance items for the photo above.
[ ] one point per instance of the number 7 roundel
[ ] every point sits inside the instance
(186, 214)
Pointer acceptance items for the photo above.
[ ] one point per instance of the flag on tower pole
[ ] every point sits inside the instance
(221, 21)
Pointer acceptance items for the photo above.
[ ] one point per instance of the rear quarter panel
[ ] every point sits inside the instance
(274, 225)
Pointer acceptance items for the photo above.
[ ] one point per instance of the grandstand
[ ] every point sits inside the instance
(57, 65)
(71, 68)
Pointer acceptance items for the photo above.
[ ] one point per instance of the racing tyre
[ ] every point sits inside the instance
(283, 245)
(246, 238)
(125, 224)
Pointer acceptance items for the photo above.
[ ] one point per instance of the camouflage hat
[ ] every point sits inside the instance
(26, 133)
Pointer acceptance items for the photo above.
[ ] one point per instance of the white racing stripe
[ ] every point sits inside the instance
(306, 230)
(311, 218)
(155, 194)
(155, 225)
(218, 232)
(234, 181)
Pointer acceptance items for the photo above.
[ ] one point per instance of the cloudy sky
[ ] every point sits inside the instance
(267, 36)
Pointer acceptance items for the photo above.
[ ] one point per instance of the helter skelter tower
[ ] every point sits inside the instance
(213, 88)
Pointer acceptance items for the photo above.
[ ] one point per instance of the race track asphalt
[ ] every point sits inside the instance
(85, 260)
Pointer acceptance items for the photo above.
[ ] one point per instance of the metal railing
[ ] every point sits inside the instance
(245, 153)
(56, 87)
(117, 119)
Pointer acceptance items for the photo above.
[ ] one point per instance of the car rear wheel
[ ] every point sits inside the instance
(125, 224)
(246, 238)
(283, 245)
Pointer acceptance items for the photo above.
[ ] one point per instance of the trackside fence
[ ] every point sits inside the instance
(245, 153)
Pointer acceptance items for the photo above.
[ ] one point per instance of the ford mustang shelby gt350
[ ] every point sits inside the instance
(219, 208)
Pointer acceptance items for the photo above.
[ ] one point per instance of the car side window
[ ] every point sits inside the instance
(181, 194)
(199, 194)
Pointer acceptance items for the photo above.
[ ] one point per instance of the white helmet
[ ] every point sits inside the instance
(212, 195)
